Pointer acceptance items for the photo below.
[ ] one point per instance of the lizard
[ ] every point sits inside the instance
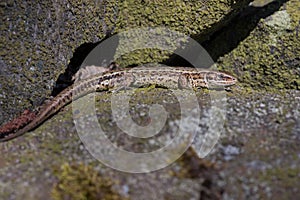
(170, 77)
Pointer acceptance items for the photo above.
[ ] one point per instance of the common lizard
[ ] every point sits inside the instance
(170, 77)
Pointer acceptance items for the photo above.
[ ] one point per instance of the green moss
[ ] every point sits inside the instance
(82, 182)
(268, 58)
(193, 18)
(287, 177)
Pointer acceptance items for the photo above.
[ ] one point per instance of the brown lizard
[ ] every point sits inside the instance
(170, 77)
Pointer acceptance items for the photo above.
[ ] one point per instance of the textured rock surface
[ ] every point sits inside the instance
(257, 156)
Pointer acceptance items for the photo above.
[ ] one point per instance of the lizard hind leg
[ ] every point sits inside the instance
(88, 71)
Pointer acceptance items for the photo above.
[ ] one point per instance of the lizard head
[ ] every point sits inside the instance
(219, 79)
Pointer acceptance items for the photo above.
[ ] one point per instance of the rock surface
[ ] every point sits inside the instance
(257, 154)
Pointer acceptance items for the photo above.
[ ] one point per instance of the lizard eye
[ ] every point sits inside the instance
(221, 77)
